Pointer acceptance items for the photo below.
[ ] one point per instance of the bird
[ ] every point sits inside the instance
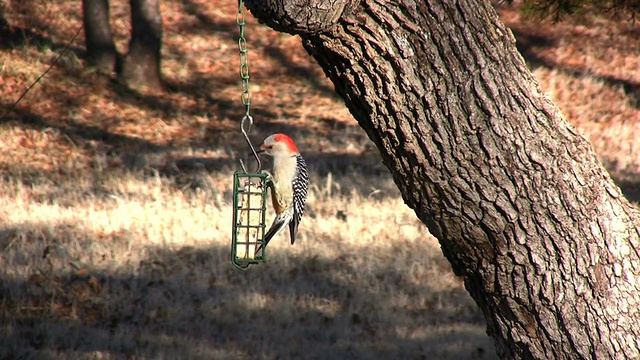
(288, 182)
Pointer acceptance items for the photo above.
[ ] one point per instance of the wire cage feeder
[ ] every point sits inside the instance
(248, 245)
(249, 209)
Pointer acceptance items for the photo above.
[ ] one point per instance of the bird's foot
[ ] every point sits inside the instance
(269, 176)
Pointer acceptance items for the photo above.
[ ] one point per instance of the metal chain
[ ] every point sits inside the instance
(244, 59)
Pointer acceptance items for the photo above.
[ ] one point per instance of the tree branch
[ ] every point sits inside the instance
(301, 17)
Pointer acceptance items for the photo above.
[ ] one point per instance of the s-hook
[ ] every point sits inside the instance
(245, 133)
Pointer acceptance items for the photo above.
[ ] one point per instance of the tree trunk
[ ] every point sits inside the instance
(101, 50)
(141, 67)
(547, 245)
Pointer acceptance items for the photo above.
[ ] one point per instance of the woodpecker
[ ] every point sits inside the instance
(288, 183)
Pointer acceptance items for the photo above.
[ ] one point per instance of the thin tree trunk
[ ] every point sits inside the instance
(101, 50)
(141, 67)
(546, 243)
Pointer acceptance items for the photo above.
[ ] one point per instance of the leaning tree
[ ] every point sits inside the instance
(547, 245)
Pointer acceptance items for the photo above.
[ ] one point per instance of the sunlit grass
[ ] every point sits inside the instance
(364, 276)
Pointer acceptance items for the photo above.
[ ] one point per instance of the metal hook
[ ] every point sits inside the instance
(246, 137)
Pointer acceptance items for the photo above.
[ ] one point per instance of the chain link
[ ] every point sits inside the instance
(244, 58)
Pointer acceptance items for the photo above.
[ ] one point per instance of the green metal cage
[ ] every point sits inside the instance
(249, 210)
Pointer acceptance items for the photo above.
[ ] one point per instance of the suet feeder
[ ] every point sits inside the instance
(249, 210)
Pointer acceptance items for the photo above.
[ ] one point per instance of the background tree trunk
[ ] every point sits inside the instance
(101, 50)
(141, 67)
(547, 245)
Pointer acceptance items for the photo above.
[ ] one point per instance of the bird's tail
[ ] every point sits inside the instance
(277, 226)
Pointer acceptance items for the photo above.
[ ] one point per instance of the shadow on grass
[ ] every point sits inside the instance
(630, 188)
(627, 179)
(191, 303)
(84, 132)
(321, 164)
(529, 45)
(339, 174)
(12, 37)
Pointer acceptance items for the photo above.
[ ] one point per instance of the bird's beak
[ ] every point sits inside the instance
(261, 149)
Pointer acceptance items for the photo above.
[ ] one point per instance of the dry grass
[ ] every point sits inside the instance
(115, 204)
(144, 271)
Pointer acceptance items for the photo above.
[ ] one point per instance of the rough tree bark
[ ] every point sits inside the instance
(546, 243)
(141, 66)
(101, 50)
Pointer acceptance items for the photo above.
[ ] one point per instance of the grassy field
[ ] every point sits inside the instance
(115, 204)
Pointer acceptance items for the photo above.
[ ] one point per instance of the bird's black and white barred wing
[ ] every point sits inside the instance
(300, 186)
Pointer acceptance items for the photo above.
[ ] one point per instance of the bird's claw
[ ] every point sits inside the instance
(269, 176)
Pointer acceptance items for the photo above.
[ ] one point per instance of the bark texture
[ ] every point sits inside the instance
(101, 50)
(547, 245)
(141, 67)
